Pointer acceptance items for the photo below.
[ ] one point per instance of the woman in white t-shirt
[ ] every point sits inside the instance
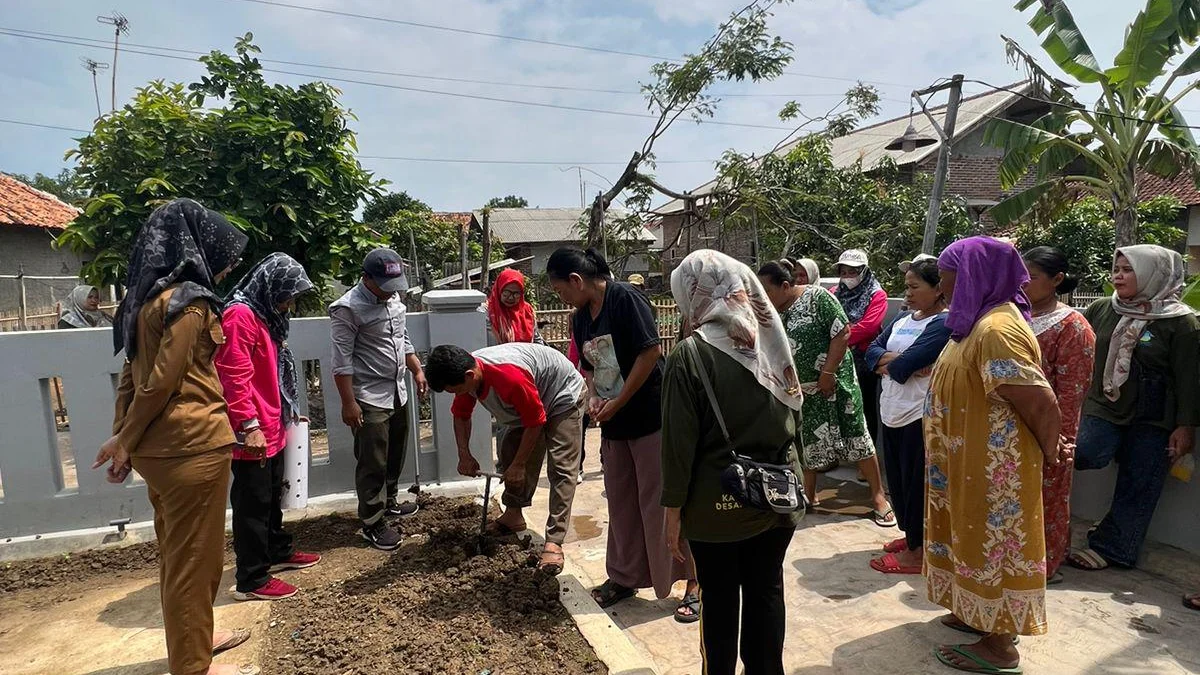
(902, 356)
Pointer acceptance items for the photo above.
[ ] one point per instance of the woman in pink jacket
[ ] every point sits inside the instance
(259, 377)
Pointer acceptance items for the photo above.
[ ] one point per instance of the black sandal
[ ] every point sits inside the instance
(691, 602)
(610, 593)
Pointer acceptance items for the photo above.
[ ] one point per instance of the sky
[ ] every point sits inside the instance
(898, 45)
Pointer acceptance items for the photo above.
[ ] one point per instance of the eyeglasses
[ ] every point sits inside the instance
(510, 295)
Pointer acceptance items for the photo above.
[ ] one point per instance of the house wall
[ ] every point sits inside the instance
(32, 249)
(1193, 239)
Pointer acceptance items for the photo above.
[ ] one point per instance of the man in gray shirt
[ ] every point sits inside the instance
(371, 356)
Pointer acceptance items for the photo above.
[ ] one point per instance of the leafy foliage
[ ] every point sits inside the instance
(385, 206)
(278, 161)
(65, 185)
(1134, 125)
(805, 206)
(1086, 232)
(509, 202)
(437, 240)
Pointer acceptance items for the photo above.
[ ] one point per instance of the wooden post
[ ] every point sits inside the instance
(487, 251)
(22, 309)
(463, 255)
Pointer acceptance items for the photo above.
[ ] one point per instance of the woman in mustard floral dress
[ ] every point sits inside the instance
(991, 421)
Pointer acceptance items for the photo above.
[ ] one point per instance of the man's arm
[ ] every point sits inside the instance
(414, 366)
(342, 335)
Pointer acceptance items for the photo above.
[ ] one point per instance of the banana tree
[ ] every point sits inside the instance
(1135, 125)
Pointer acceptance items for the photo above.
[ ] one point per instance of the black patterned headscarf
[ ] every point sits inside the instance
(272, 282)
(181, 243)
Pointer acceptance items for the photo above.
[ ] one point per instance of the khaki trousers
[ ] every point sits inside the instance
(188, 495)
(559, 446)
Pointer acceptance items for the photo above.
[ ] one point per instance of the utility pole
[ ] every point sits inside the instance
(463, 233)
(92, 66)
(943, 164)
(484, 267)
(120, 25)
(22, 305)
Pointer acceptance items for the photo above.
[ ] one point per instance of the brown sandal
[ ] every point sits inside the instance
(553, 566)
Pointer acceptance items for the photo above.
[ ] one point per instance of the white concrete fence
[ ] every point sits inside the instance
(46, 477)
(39, 496)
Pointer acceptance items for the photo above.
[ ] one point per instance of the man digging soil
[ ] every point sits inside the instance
(536, 392)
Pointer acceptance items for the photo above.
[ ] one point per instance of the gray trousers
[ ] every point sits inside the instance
(379, 450)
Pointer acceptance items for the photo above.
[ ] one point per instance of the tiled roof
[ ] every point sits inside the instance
(1182, 188)
(541, 226)
(460, 218)
(868, 145)
(24, 205)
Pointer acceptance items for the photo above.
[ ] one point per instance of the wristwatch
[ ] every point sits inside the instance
(250, 425)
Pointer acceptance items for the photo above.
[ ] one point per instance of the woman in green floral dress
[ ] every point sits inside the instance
(834, 428)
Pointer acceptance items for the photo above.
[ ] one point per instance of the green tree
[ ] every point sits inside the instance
(1086, 232)
(1134, 126)
(742, 48)
(436, 239)
(802, 205)
(385, 206)
(65, 185)
(278, 161)
(509, 202)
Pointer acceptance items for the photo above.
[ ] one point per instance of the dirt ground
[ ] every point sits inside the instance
(433, 606)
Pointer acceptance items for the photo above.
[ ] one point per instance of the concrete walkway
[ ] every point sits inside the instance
(844, 618)
(111, 628)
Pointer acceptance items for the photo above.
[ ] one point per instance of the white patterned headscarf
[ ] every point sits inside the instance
(1160, 275)
(724, 302)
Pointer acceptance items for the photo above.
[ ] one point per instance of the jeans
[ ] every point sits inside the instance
(742, 579)
(1140, 451)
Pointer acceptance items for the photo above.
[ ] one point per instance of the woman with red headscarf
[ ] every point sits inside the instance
(509, 313)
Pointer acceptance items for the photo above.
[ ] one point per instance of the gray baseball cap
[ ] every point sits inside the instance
(386, 268)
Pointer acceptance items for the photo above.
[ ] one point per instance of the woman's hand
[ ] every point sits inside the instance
(595, 403)
(1182, 440)
(120, 467)
(1066, 451)
(608, 410)
(674, 533)
(882, 371)
(827, 384)
(887, 358)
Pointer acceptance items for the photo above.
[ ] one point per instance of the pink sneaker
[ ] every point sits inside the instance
(298, 561)
(274, 589)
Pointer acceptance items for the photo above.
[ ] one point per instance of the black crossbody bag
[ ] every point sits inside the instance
(754, 484)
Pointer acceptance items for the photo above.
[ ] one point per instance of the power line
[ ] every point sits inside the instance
(440, 160)
(517, 38)
(45, 126)
(21, 32)
(454, 94)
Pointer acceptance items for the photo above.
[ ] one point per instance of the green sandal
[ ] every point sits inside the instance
(981, 666)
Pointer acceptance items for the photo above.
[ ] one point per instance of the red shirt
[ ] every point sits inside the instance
(248, 365)
(506, 388)
(863, 333)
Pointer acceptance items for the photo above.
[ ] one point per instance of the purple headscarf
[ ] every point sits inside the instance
(990, 273)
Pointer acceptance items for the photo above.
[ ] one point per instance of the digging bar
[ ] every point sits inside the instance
(487, 493)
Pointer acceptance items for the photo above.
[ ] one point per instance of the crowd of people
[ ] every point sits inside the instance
(982, 395)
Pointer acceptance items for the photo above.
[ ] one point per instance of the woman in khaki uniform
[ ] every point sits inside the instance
(171, 422)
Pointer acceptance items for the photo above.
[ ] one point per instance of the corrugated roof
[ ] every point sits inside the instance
(540, 226)
(868, 144)
(1182, 188)
(21, 204)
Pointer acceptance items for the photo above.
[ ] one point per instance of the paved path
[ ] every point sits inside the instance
(112, 628)
(844, 618)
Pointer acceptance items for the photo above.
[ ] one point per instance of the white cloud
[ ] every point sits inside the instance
(833, 38)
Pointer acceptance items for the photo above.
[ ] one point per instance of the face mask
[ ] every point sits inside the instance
(852, 282)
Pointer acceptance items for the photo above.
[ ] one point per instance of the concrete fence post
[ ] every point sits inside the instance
(456, 317)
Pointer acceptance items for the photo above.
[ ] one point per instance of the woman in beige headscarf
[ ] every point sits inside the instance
(734, 338)
(1144, 400)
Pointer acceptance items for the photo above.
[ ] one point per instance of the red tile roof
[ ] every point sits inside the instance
(24, 205)
(460, 218)
(1182, 188)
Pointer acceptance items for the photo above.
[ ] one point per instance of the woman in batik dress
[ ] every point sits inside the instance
(834, 429)
(991, 421)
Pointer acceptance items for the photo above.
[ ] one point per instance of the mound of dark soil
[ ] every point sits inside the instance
(436, 605)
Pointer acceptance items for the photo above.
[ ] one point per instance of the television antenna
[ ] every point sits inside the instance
(120, 25)
(92, 66)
